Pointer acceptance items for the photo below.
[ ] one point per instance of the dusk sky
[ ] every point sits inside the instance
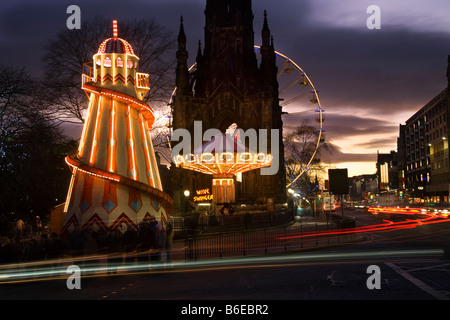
(369, 81)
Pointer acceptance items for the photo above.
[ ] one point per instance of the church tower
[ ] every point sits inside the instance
(229, 86)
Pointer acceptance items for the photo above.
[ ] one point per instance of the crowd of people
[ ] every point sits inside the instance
(150, 241)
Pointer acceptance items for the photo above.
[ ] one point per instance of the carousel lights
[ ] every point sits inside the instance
(112, 178)
(207, 158)
(115, 28)
(126, 45)
(223, 158)
(146, 149)
(131, 145)
(134, 102)
(83, 133)
(112, 137)
(223, 181)
(114, 69)
(120, 97)
(94, 142)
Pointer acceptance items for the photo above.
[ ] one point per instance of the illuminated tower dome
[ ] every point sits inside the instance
(115, 179)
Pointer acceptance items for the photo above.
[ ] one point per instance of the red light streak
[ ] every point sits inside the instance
(387, 226)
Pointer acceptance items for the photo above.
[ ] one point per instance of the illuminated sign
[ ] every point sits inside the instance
(203, 195)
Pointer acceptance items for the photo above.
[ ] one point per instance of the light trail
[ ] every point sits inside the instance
(46, 274)
(387, 226)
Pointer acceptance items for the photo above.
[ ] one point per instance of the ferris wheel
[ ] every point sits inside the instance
(296, 93)
(299, 98)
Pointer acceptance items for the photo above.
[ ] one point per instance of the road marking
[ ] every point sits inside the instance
(422, 286)
(435, 268)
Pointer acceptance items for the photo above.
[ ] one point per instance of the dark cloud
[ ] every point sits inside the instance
(363, 132)
(336, 155)
(378, 144)
(383, 71)
(340, 126)
(27, 25)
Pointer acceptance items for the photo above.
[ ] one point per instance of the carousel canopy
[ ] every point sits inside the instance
(223, 156)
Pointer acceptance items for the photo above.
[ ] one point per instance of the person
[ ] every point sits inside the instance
(169, 243)
(6, 251)
(90, 243)
(143, 240)
(55, 246)
(129, 243)
(20, 226)
(113, 244)
(38, 225)
(162, 242)
(155, 253)
(76, 241)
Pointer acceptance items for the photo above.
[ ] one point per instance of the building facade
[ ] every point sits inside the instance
(423, 149)
(229, 87)
(387, 172)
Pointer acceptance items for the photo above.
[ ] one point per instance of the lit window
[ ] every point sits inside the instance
(119, 62)
(129, 64)
(107, 62)
(99, 63)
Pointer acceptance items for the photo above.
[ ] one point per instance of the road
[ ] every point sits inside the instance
(413, 265)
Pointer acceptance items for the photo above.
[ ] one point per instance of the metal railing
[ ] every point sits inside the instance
(257, 242)
(216, 223)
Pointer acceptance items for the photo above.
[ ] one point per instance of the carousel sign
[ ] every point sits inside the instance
(203, 195)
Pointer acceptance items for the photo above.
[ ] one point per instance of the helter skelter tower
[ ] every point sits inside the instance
(115, 179)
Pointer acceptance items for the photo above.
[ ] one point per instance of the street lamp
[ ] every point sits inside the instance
(187, 193)
(291, 200)
(187, 225)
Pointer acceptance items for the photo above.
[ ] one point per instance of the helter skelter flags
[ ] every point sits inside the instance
(115, 179)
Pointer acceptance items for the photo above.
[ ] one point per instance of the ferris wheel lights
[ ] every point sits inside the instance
(303, 82)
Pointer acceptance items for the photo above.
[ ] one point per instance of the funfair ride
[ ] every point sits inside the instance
(115, 180)
(223, 157)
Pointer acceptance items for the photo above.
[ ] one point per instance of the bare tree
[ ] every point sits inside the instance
(65, 55)
(302, 155)
(32, 149)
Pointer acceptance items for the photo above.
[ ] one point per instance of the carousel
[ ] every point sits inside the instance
(224, 157)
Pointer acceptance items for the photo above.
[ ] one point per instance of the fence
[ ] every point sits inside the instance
(215, 223)
(269, 241)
